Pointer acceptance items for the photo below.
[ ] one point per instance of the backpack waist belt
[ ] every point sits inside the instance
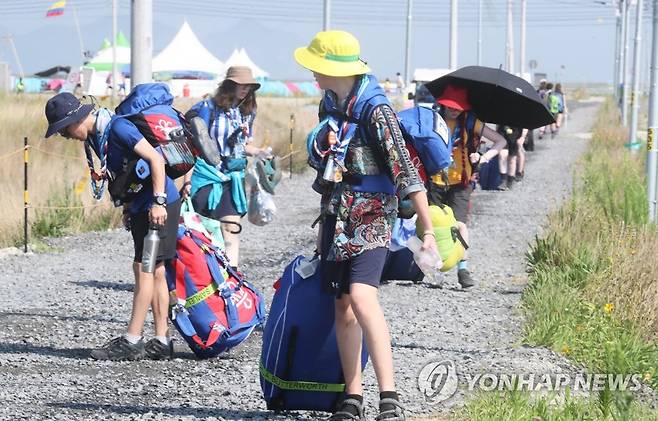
(378, 183)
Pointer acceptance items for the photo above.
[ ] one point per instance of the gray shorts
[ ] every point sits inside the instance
(457, 197)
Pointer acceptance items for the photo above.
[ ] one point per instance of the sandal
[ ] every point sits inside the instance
(342, 415)
(394, 414)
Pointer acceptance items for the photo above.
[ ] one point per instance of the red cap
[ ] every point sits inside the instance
(455, 97)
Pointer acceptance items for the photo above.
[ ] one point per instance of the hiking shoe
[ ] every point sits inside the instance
(119, 349)
(396, 413)
(504, 186)
(464, 278)
(344, 415)
(156, 350)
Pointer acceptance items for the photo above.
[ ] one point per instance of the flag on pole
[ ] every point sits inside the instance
(56, 9)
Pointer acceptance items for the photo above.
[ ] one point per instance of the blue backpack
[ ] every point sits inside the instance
(149, 108)
(428, 133)
(490, 178)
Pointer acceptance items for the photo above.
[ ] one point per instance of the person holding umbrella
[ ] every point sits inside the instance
(467, 131)
(470, 96)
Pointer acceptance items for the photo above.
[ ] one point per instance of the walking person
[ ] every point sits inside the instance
(467, 132)
(541, 91)
(552, 103)
(399, 81)
(363, 167)
(157, 204)
(511, 169)
(561, 105)
(219, 193)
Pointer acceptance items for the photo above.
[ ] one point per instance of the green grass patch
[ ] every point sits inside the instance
(64, 214)
(521, 406)
(592, 293)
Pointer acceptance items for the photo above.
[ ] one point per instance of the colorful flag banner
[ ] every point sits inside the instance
(56, 9)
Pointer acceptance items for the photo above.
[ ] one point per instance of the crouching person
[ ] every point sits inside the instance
(114, 142)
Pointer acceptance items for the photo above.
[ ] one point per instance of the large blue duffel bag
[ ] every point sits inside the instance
(300, 366)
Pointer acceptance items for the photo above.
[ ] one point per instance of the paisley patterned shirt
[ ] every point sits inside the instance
(364, 220)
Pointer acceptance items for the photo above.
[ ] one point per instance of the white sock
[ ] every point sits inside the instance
(133, 339)
(164, 339)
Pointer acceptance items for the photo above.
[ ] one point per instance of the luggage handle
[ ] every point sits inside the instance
(180, 314)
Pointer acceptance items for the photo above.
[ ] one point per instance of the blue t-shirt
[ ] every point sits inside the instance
(121, 143)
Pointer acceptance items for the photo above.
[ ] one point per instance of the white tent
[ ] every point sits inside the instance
(241, 58)
(185, 53)
(102, 61)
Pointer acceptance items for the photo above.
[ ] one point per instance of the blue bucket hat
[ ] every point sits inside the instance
(64, 109)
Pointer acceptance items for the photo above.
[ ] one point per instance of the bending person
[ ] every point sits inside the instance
(157, 203)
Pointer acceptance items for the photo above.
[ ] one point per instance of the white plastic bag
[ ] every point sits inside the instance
(261, 204)
(261, 207)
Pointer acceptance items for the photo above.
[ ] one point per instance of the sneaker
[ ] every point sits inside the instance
(119, 349)
(343, 415)
(396, 413)
(504, 184)
(519, 177)
(156, 350)
(464, 278)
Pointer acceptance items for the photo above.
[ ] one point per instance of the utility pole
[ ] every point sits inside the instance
(617, 53)
(624, 60)
(407, 52)
(652, 158)
(327, 9)
(509, 44)
(77, 27)
(453, 34)
(141, 51)
(10, 40)
(479, 32)
(523, 31)
(114, 53)
(637, 53)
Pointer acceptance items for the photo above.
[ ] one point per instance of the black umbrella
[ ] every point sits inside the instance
(497, 96)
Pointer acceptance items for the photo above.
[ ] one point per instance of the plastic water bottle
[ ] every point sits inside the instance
(427, 260)
(150, 249)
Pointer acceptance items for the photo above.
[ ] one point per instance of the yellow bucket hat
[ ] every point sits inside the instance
(332, 53)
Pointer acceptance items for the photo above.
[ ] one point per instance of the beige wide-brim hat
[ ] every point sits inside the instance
(242, 75)
(333, 53)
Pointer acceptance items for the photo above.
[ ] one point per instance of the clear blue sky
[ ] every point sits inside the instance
(576, 34)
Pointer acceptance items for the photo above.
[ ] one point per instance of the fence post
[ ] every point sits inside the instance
(26, 196)
(292, 128)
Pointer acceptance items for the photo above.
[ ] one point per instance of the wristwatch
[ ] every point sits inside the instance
(160, 200)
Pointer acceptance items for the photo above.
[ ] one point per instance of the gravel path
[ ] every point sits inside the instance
(60, 304)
